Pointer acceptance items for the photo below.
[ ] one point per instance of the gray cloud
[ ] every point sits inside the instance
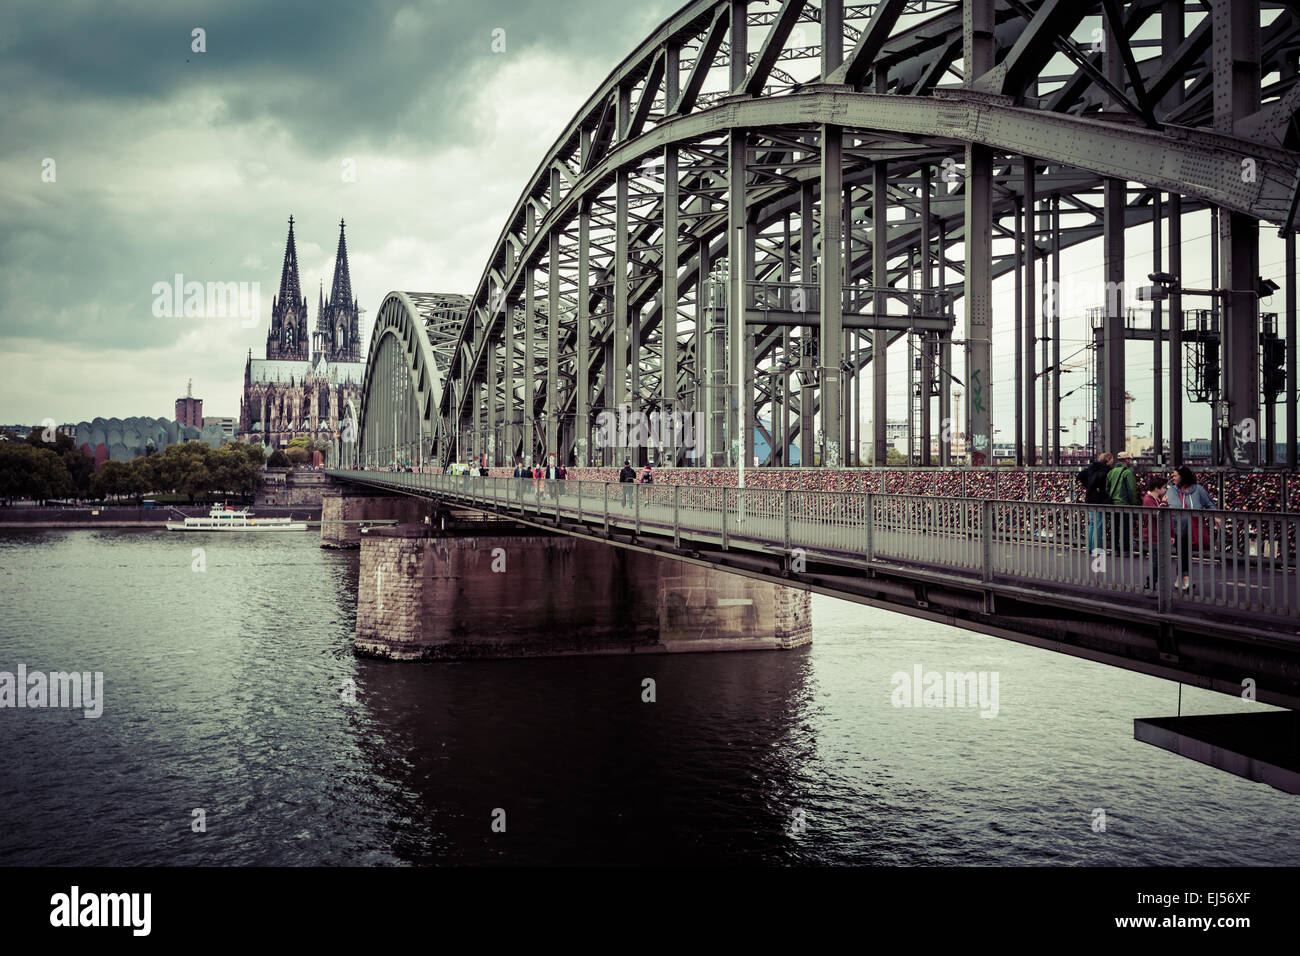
(171, 161)
(326, 74)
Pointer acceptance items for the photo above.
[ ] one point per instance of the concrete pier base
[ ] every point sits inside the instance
(343, 514)
(458, 596)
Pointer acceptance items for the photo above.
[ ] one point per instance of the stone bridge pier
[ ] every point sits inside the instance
(345, 511)
(489, 588)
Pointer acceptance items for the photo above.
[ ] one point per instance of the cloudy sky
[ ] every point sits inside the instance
(168, 161)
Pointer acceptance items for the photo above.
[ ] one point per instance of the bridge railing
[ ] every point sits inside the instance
(1178, 559)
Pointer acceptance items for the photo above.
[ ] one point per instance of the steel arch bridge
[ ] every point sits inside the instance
(774, 191)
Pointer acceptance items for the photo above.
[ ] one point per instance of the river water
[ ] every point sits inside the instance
(233, 691)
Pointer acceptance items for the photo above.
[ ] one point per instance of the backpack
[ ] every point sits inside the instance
(1093, 479)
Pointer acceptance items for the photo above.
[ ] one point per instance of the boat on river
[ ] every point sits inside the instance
(225, 518)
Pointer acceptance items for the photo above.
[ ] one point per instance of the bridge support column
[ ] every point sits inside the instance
(456, 596)
(342, 514)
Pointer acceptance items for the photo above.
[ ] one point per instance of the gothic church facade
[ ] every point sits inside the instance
(306, 385)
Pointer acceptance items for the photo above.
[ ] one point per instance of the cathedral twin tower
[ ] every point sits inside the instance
(338, 318)
(306, 385)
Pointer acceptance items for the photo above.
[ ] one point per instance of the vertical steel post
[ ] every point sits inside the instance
(807, 261)
(677, 516)
(1018, 336)
(927, 341)
(1235, 60)
(733, 294)
(668, 312)
(1292, 345)
(739, 35)
(1030, 340)
(1172, 28)
(490, 365)
(946, 424)
(616, 377)
(582, 353)
(977, 54)
(785, 513)
(530, 367)
(553, 327)
(1157, 334)
(832, 16)
(832, 292)
(880, 305)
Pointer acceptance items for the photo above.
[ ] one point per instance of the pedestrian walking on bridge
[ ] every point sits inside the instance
(626, 478)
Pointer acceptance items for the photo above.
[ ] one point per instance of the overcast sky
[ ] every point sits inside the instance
(164, 160)
(170, 161)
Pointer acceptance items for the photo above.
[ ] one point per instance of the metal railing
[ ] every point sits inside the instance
(1171, 559)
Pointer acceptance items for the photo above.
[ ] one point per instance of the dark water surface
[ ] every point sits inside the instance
(226, 690)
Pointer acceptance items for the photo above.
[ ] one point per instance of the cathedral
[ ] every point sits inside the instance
(305, 387)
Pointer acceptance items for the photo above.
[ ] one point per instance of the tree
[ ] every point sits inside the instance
(80, 468)
(183, 469)
(115, 478)
(256, 454)
(278, 459)
(28, 471)
(233, 470)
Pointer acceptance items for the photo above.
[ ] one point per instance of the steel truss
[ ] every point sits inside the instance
(853, 176)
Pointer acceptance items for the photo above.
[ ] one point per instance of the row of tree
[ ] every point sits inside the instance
(34, 468)
(192, 469)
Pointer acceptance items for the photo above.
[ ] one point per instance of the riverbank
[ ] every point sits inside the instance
(128, 517)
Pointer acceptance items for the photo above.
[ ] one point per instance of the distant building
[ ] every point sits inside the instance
(189, 410)
(217, 431)
(289, 393)
(225, 424)
(123, 439)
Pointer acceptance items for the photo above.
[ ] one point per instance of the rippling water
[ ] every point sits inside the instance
(226, 690)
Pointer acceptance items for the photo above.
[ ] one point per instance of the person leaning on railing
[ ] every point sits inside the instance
(1154, 495)
(1187, 494)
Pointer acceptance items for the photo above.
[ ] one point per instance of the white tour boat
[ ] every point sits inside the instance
(229, 519)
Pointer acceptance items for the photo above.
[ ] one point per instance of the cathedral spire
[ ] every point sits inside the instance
(341, 290)
(287, 337)
(289, 290)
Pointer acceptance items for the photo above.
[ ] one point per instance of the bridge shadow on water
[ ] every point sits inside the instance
(584, 769)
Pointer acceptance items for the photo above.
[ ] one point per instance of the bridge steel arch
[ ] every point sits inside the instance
(854, 176)
(398, 421)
